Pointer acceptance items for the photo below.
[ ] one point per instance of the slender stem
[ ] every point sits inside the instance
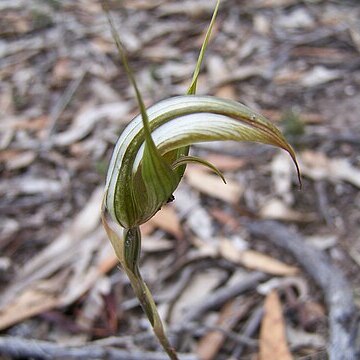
(127, 250)
(131, 254)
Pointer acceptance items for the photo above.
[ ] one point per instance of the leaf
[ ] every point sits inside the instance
(254, 260)
(192, 88)
(154, 244)
(230, 192)
(275, 209)
(320, 75)
(230, 314)
(32, 301)
(200, 286)
(319, 167)
(226, 162)
(273, 344)
(184, 150)
(158, 178)
(167, 220)
(86, 120)
(281, 173)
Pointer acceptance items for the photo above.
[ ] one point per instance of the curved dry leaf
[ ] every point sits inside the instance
(86, 120)
(254, 260)
(275, 209)
(167, 220)
(273, 343)
(211, 185)
(318, 166)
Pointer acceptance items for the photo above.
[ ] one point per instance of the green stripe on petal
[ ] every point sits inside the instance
(139, 184)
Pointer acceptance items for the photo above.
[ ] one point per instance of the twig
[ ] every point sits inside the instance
(64, 101)
(323, 202)
(35, 349)
(215, 300)
(250, 328)
(197, 330)
(241, 339)
(223, 295)
(343, 315)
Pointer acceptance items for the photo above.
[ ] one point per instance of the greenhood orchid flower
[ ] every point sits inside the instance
(150, 158)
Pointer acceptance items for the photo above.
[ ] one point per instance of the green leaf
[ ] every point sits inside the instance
(184, 151)
(192, 87)
(158, 178)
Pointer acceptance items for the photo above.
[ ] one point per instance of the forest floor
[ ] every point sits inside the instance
(64, 100)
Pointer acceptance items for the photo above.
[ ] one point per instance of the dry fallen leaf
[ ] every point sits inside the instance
(319, 75)
(154, 244)
(189, 8)
(14, 159)
(319, 167)
(282, 171)
(230, 314)
(306, 118)
(205, 248)
(225, 219)
(271, 3)
(301, 339)
(217, 69)
(62, 71)
(141, 4)
(254, 260)
(275, 209)
(33, 301)
(299, 18)
(94, 303)
(213, 186)
(87, 118)
(200, 286)
(226, 91)
(201, 224)
(28, 185)
(226, 162)
(273, 344)
(84, 236)
(167, 220)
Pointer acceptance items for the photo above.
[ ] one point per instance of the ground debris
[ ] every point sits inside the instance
(64, 101)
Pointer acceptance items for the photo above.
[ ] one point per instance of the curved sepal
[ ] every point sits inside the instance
(194, 159)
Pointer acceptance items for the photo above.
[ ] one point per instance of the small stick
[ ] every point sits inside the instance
(215, 300)
(64, 101)
(250, 328)
(17, 348)
(343, 315)
(221, 296)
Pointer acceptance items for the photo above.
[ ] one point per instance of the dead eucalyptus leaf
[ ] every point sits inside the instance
(318, 166)
(273, 344)
(254, 260)
(230, 192)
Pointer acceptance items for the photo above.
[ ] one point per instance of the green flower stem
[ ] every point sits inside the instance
(127, 250)
(132, 246)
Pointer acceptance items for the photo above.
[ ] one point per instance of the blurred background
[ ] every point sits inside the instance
(64, 100)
